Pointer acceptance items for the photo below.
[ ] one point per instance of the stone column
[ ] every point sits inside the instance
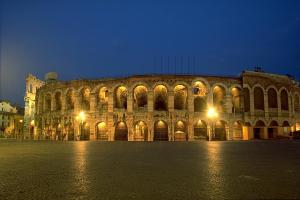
(150, 101)
(190, 100)
(229, 132)
(190, 128)
(93, 103)
(53, 107)
(171, 101)
(77, 106)
(279, 104)
(110, 101)
(228, 103)
(63, 104)
(290, 105)
(252, 110)
(129, 102)
(266, 105)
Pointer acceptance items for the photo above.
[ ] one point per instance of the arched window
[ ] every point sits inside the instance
(180, 97)
(236, 100)
(259, 99)
(120, 97)
(200, 98)
(160, 98)
(272, 98)
(219, 98)
(140, 98)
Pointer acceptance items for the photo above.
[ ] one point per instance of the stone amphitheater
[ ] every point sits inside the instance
(253, 105)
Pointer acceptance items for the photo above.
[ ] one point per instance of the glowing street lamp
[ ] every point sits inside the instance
(81, 118)
(212, 114)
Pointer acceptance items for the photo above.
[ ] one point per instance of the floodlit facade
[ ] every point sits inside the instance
(254, 105)
(11, 120)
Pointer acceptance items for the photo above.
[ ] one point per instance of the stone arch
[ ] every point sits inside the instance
(180, 131)
(84, 98)
(161, 132)
(180, 97)
(297, 102)
(258, 92)
(102, 97)
(58, 100)
(200, 92)
(200, 130)
(120, 97)
(219, 98)
(219, 132)
(47, 102)
(121, 131)
(286, 124)
(272, 97)
(70, 98)
(161, 98)
(258, 129)
(101, 131)
(236, 99)
(237, 130)
(140, 131)
(284, 99)
(140, 97)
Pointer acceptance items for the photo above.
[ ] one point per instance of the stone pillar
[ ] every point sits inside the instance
(63, 104)
(150, 101)
(110, 101)
(252, 111)
(129, 102)
(110, 127)
(53, 107)
(77, 106)
(266, 105)
(171, 101)
(279, 104)
(290, 105)
(229, 132)
(92, 129)
(190, 128)
(190, 100)
(93, 103)
(228, 103)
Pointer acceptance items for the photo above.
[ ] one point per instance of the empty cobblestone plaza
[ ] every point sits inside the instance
(155, 170)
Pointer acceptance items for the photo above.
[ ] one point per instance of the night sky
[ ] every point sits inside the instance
(93, 39)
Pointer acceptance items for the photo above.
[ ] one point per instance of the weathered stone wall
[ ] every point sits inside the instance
(112, 108)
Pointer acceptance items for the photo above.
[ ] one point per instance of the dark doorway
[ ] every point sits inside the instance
(161, 131)
(121, 132)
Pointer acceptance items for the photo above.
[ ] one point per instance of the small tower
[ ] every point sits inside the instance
(32, 84)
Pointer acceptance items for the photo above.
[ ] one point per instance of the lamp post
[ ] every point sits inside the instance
(81, 118)
(212, 115)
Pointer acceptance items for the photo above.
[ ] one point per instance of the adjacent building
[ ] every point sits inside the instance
(253, 105)
(11, 120)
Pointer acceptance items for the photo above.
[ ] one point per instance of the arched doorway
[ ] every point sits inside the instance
(237, 131)
(273, 129)
(161, 131)
(236, 100)
(84, 131)
(258, 99)
(101, 131)
(140, 131)
(258, 130)
(200, 130)
(286, 128)
(219, 132)
(180, 131)
(284, 100)
(121, 131)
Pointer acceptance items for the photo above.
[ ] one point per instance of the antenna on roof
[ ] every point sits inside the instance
(259, 69)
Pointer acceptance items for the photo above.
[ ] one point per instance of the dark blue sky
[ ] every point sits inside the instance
(90, 39)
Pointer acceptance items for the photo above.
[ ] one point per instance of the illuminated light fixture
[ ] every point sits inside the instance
(21, 121)
(32, 123)
(212, 113)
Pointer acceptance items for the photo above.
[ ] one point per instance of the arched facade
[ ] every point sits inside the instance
(166, 108)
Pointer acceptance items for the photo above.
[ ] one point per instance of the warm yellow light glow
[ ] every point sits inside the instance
(21, 121)
(212, 113)
(32, 123)
(81, 116)
(101, 125)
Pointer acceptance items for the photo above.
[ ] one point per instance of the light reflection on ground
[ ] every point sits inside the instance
(153, 170)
